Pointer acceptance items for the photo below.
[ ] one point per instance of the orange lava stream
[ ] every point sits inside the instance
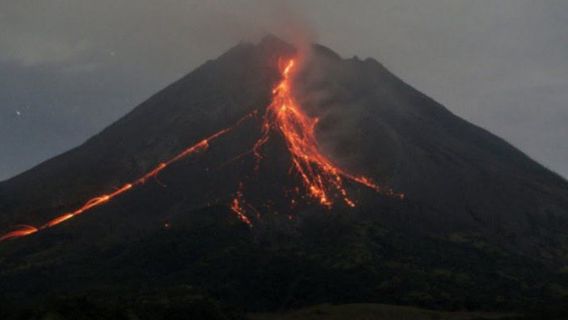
(21, 231)
(322, 179)
(25, 230)
(240, 212)
(237, 207)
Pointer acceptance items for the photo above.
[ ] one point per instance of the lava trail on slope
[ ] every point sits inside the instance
(26, 230)
(321, 178)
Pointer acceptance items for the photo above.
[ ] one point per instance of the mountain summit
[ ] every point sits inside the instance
(294, 208)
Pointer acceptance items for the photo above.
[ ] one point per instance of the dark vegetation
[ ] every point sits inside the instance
(329, 258)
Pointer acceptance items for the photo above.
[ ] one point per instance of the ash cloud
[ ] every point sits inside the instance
(161, 36)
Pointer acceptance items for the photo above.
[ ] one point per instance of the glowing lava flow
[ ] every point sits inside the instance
(240, 212)
(22, 231)
(25, 230)
(322, 179)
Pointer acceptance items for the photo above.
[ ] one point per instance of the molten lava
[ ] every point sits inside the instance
(321, 178)
(21, 231)
(240, 212)
(25, 230)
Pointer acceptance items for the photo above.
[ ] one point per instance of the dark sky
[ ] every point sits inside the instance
(68, 68)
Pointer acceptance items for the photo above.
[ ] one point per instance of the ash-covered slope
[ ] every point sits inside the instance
(469, 178)
(480, 220)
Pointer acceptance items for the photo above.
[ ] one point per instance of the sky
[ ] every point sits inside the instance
(69, 68)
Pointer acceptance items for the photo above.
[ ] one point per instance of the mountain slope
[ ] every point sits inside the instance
(474, 179)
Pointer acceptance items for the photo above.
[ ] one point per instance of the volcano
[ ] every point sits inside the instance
(269, 178)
